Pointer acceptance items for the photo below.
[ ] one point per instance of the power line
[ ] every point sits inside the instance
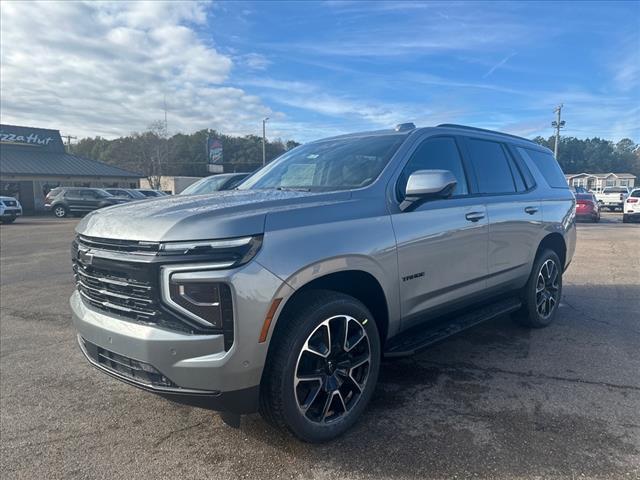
(69, 138)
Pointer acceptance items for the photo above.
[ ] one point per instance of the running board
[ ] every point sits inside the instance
(418, 338)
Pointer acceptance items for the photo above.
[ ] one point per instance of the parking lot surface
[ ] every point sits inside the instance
(497, 401)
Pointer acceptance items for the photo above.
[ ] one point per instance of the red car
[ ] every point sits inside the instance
(587, 207)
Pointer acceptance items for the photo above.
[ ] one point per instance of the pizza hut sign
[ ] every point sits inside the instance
(32, 139)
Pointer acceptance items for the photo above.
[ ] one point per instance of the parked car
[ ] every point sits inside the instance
(282, 296)
(129, 194)
(10, 209)
(578, 189)
(147, 192)
(587, 207)
(631, 211)
(612, 197)
(215, 183)
(63, 201)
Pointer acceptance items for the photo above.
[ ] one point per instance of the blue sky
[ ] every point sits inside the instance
(318, 69)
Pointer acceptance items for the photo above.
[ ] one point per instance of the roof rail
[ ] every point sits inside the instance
(484, 130)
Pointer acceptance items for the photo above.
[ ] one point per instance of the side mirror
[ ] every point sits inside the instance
(425, 184)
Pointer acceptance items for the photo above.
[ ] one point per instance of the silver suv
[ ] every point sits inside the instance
(284, 295)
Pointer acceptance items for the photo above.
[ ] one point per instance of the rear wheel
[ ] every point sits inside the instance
(541, 295)
(625, 218)
(60, 211)
(322, 367)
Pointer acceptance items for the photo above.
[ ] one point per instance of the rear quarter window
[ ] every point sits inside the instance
(547, 165)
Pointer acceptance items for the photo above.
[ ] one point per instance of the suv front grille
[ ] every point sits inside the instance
(109, 244)
(135, 370)
(121, 284)
(115, 294)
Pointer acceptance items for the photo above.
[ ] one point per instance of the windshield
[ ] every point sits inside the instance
(102, 193)
(339, 164)
(206, 185)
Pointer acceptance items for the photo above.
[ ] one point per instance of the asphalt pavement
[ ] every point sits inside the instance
(498, 401)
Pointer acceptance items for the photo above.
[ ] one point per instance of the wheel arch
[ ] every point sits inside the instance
(360, 283)
(556, 242)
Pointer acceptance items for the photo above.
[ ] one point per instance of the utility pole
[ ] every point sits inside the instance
(69, 137)
(264, 142)
(557, 124)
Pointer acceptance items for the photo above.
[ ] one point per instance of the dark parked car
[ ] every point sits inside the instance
(147, 192)
(126, 193)
(587, 207)
(63, 201)
(215, 183)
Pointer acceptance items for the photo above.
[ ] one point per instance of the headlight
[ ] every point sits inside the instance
(229, 253)
(208, 303)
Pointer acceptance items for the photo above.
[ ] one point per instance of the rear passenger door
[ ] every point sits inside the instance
(442, 243)
(90, 199)
(73, 199)
(514, 211)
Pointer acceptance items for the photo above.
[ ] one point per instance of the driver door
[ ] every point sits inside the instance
(442, 244)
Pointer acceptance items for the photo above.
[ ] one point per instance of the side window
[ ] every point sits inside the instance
(517, 175)
(439, 153)
(492, 166)
(547, 165)
(89, 194)
(72, 193)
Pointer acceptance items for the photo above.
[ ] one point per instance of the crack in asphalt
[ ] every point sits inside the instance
(173, 432)
(590, 317)
(540, 376)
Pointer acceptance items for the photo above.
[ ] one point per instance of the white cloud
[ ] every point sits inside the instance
(105, 68)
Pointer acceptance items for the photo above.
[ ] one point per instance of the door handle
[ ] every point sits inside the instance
(474, 216)
(531, 210)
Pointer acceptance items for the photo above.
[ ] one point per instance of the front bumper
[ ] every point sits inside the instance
(200, 370)
(11, 212)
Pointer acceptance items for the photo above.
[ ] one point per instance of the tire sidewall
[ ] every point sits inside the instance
(535, 319)
(64, 209)
(296, 422)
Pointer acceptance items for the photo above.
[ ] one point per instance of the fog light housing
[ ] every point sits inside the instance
(208, 303)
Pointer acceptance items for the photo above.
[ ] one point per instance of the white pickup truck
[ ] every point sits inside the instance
(612, 197)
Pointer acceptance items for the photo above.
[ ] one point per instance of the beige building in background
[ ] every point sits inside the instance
(597, 181)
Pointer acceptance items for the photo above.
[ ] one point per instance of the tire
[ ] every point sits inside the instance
(533, 313)
(321, 408)
(596, 219)
(60, 211)
(8, 220)
(625, 218)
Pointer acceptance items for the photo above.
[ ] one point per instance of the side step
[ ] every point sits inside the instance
(420, 337)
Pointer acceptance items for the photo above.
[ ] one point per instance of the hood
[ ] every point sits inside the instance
(227, 214)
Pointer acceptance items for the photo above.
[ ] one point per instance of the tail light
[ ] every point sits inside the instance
(632, 200)
(621, 196)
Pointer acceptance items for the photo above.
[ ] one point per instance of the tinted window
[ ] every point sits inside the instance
(492, 167)
(547, 165)
(436, 154)
(635, 194)
(517, 176)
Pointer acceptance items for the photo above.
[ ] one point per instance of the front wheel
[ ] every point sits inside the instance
(541, 295)
(322, 367)
(60, 211)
